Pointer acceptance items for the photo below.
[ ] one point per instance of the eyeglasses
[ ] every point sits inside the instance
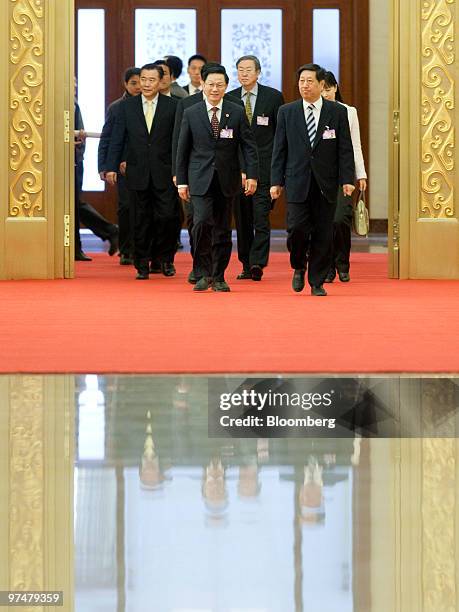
(215, 85)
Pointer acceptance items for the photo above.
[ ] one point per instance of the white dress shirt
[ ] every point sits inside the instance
(253, 97)
(354, 126)
(316, 110)
(210, 111)
(145, 104)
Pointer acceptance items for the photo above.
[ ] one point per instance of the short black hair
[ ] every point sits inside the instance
(253, 58)
(330, 81)
(161, 62)
(153, 66)
(130, 72)
(175, 65)
(214, 68)
(197, 56)
(320, 72)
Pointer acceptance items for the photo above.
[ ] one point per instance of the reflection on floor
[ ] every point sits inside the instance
(165, 515)
(374, 243)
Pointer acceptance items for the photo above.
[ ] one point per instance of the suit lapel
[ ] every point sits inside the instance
(324, 120)
(225, 116)
(302, 123)
(157, 116)
(202, 110)
(139, 112)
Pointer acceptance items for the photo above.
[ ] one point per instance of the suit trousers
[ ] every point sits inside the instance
(155, 218)
(342, 234)
(212, 214)
(253, 227)
(310, 227)
(89, 216)
(125, 217)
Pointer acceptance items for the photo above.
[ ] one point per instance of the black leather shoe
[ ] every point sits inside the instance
(168, 269)
(244, 275)
(330, 276)
(256, 273)
(82, 257)
(344, 277)
(142, 275)
(220, 285)
(318, 290)
(192, 278)
(125, 260)
(155, 267)
(202, 284)
(298, 280)
(114, 242)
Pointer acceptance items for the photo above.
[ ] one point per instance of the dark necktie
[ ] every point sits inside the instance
(214, 123)
(311, 124)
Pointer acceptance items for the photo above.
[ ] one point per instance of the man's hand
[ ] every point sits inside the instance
(123, 168)
(250, 187)
(174, 180)
(184, 193)
(102, 175)
(275, 192)
(348, 190)
(244, 178)
(80, 137)
(362, 184)
(110, 177)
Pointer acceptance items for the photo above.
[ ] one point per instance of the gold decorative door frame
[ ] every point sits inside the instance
(36, 162)
(37, 416)
(423, 215)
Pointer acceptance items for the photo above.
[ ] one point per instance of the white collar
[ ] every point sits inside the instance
(317, 104)
(154, 100)
(211, 106)
(253, 91)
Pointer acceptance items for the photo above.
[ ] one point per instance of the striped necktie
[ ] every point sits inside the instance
(248, 106)
(214, 122)
(311, 124)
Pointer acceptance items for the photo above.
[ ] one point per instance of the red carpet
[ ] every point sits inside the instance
(105, 321)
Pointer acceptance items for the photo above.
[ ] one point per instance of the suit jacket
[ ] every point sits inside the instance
(182, 105)
(267, 105)
(107, 130)
(330, 160)
(177, 91)
(147, 154)
(199, 154)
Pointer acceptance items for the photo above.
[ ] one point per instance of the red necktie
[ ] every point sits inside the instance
(214, 123)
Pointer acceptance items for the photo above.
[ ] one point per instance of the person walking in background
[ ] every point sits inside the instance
(251, 213)
(208, 170)
(176, 67)
(84, 212)
(144, 125)
(132, 88)
(312, 156)
(343, 216)
(195, 64)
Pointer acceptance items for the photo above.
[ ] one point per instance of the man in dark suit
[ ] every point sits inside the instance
(208, 170)
(312, 157)
(132, 88)
(145, 124)
(183, 104)
(252, 213)
(195, 64)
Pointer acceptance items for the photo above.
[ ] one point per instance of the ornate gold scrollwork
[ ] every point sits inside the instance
(26, 108)
(438, 101)
(26, 483)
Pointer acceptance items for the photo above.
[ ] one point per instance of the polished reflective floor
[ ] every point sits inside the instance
(113, 491)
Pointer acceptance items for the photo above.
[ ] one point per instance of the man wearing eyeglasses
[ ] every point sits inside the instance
(208, 170)
(252, 212)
